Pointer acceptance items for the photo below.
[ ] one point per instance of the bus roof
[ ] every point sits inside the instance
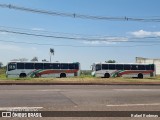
(124, 63)
(39, 62)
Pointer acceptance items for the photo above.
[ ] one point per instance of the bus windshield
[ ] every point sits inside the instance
(11, 66)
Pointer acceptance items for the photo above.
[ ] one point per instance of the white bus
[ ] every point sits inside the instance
(133, 70)
(41, 69)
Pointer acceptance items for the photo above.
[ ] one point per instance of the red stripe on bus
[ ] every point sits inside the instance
(57, 71)
(143, 72)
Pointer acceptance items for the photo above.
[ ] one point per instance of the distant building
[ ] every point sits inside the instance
(150, 61)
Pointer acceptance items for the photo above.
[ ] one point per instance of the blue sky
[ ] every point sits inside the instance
(58, 25)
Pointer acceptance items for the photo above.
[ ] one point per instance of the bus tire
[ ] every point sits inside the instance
(106, 75)
(62, 75)
(140, 76)
(22, 75)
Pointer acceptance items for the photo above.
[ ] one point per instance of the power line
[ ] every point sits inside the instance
(48, 36)
(64, 37)
(82, 16)
(73, 36)
(107, 39)
(86, 46)
(55, 33)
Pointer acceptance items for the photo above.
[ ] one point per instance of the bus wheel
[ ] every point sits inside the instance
(62, 75)
(107, 75)
(140, 76)
(22, 75)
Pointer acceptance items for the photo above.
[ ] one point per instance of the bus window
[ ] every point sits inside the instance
(104, 66)
(48, 66)
(127, 67)
(76, 66)
(141, 67)
(98, 67)
(38, 65)
(11, 67)
(119, 67)
(152, 67)
(56, 66)
(29, 65)
(20, 65)
(112, 66)
(64, 66)
(71, 66)
(134, 67)
(148, 67)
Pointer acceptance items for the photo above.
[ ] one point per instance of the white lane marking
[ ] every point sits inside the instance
(50, 90)
(136, 90)
(126, 105)
(20, 108)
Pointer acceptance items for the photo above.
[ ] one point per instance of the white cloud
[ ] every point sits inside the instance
(97, 42)
(142, 33)
(106, 40)
(38, 29)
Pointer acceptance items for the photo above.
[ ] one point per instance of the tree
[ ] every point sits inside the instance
(15, 60)
(44, 60)
(20, 59)
(23, 59)
(51, 53)
(1, 64)
(34, 59)
(110, 61)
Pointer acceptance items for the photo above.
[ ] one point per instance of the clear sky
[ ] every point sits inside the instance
(58, 25)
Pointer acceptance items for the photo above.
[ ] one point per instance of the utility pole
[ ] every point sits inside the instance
(51, 53)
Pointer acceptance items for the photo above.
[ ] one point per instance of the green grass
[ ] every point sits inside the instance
(2, 73)
(78, 80)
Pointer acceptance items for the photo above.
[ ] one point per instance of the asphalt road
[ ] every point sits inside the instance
(81, 98)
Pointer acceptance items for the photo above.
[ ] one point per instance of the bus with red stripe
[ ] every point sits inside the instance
(42, 69)
(132, 70)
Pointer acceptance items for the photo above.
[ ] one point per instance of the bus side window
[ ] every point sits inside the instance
(38, 65)
(29, 65)
(127, 67)
(104, 66)
(71, 66)
(148, 67)
(141, 67)
(134, 67)
(64, 66)
(48, 66)
(20, 65)
(112, 66)
(119, 67)
(152, 67)
(56, 66)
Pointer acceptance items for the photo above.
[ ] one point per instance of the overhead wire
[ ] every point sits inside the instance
(88, 46)
(82, 16)
(107, 39)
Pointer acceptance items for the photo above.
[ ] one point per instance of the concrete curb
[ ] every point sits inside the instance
(112, 83)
